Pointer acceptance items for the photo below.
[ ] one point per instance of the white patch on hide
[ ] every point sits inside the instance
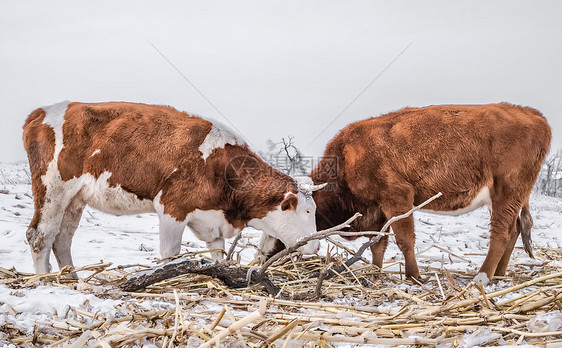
(481, 199)
(217, 138)
(54, 117)
(95, 152)
(111, 199)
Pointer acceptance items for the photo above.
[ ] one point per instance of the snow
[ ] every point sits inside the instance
(132, 239)
(32, 304)
(478, 337)
(442, 241)
(548, 322)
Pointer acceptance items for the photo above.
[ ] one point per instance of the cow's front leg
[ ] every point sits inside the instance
(268, 247)
(41, 239)
(218, 246)
(63, 241)
(211, 235)
(397, 203)
(377, 251)
(171, 232)
(405, 238)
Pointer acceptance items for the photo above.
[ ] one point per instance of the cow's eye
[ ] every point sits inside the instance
(308, 211)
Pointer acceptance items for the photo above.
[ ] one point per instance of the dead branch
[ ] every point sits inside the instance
(375, 239)
(233, 246)
(234, 277)
(314, 236)
(259, 313)
(237, 277)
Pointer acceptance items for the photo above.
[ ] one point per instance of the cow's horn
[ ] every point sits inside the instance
(312, 188)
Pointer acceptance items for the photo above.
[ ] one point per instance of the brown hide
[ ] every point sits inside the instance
(389, 163)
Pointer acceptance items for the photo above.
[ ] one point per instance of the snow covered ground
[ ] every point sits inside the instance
(133, 239)
(457, 243)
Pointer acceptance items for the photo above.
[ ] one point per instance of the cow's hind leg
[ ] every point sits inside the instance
(502, 265)
(506, 204)
(41, 238)
(63, 240)
(521, 227)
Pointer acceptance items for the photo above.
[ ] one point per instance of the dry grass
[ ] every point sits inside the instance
(360, 306)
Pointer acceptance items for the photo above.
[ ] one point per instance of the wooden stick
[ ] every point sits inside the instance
(171, 344)
(481, 289)
(283, 331)
(450, 253)
(370, 340)
(471, 301)
(237, 325)
(528, 334)
(440, 287)
(303, 241)
(219, 318)
(405, 215)
(233, 246)
(82, 339)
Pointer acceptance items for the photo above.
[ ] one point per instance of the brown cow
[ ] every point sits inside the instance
(126, 158)
(474, 154)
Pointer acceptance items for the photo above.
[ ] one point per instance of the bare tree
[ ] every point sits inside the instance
(549, 182)
(285, 156)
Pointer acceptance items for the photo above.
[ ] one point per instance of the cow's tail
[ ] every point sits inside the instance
(524, 224)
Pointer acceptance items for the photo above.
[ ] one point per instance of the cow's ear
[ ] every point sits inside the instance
(290, 202)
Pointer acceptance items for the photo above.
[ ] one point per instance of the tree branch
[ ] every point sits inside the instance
(237, 277)
(233, 246)
(317, 235)
(378, 235)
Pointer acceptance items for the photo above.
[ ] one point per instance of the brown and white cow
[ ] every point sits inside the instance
(127, 158)
(474, 154)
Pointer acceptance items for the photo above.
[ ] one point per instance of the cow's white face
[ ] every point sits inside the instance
(292, 220)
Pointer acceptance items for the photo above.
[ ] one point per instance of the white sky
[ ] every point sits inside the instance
(279, 68)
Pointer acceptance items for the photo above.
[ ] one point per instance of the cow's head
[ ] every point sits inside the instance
(294, 218)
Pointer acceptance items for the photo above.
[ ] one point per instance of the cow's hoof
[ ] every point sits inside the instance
(416, 280)
(72, 275)
(259, 260)
(481, 279)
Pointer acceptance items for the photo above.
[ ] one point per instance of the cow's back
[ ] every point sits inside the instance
(454, 149)
(135, 146)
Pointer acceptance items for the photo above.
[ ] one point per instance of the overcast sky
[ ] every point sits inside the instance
(278, 68)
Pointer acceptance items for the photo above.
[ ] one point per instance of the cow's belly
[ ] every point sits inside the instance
(111, 199)
(481, 199)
